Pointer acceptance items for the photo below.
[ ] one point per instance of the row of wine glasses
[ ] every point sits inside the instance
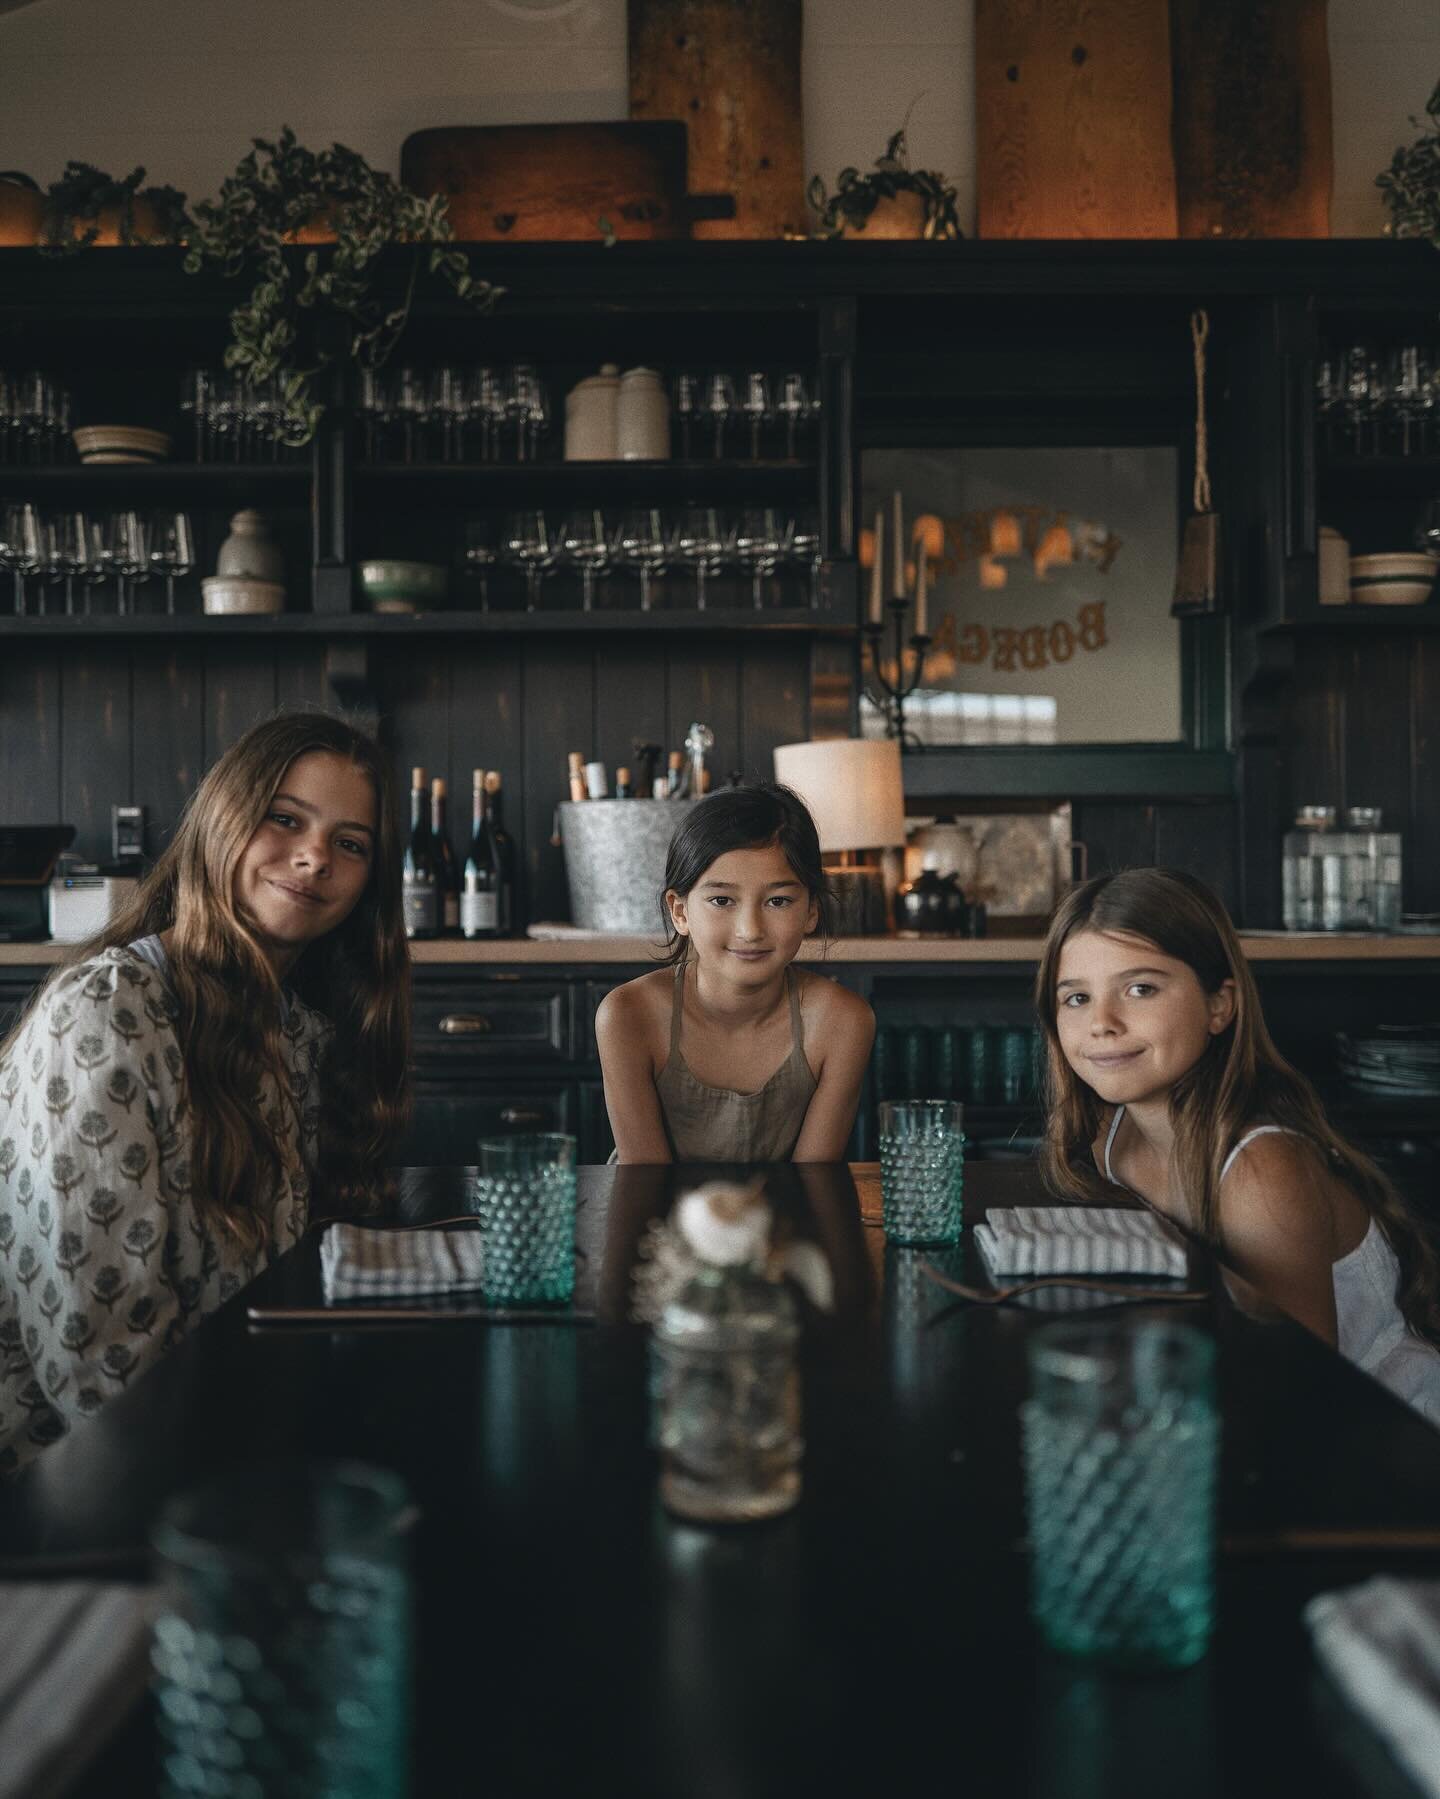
(1369, 400)
(453, 414)
(767, 411)
(44, 551)
(233, 419)
(644, 542)
(34, 418)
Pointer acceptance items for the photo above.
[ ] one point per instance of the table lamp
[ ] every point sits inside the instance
(853, 789)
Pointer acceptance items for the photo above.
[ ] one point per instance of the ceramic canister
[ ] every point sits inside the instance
(590, 417)
(250, 551)
(1334, 568)
(643, 419)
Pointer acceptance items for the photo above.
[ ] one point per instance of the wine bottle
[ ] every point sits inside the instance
(447, 870)
(623, 789)
(508, 922)
(676, 766)
(480, 893)
(575, 762)
(419, 888)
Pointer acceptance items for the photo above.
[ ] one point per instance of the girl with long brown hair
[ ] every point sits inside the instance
(236, 1037)
(1164, 1080)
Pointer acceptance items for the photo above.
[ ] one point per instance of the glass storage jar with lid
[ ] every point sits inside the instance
(1302, 882)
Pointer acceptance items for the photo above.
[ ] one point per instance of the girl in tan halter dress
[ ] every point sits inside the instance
(729, 1054)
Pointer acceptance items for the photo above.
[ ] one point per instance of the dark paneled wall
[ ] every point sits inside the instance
(84, 728)
(1196, 835)
(1364, 730)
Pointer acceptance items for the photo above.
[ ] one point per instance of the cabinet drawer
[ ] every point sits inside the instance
(447, 1123)
(465, 1023)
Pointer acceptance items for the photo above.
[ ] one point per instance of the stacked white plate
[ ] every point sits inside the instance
(1403, 578)
(120, 443)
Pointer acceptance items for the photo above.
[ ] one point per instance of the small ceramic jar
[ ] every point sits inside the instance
(250, 552)
(591, 408)
(642, 432)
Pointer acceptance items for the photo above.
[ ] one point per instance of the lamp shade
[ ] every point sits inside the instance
(852, 787)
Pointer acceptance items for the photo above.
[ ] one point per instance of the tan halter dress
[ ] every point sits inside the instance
(716, 1124)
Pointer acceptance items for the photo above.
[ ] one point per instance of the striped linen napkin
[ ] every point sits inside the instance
(74, 1658)
(1380, 1644)
(358, 1262)
(1078, 1240)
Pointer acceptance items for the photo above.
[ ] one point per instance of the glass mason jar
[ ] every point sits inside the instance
(728, 1398)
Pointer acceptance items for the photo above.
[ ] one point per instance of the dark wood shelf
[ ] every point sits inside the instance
(518, 481)
(152, 478)
(1422, 467)
(1343, 620)
(797, 620)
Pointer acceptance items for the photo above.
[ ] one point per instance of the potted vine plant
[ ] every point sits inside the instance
(22, 209)
(283, 195)
(1411, 185)
(87, 206)
(893, 201)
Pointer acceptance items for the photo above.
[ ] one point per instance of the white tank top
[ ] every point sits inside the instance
(1370, 1328)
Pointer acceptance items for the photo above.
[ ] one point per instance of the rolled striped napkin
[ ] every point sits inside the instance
(358, 1262)
(1078, 1240)
(1380, 1644)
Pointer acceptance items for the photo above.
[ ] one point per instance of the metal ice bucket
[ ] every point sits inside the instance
(615, 861)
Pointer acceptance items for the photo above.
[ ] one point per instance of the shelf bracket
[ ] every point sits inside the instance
(347, 678)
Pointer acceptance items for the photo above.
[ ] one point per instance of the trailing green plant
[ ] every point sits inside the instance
(1411, 185)
(74, 205)
(856, 196)
(280, 192)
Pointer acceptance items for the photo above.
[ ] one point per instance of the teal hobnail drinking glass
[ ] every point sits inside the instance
(922, 1149)
(524, 1198)
(1120, 1446)
(281, 1648)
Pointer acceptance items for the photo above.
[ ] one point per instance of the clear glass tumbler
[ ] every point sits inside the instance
(525, 1201)
(281, 1652)
(922, 1149)
(727, 1398)
(1120, 1447)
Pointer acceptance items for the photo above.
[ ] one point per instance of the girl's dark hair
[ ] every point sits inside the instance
(744, 818)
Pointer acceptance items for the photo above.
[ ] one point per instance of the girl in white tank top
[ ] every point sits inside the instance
(1164, 1080)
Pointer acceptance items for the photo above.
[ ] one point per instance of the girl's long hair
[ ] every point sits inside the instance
(744, 818)
(1241, 1078)
(358, 975)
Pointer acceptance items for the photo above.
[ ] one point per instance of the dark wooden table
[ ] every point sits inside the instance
(574, 1639)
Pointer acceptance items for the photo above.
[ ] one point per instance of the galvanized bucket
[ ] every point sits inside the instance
(615, 861)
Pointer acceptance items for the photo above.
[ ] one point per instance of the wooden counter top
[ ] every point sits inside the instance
(570, 952)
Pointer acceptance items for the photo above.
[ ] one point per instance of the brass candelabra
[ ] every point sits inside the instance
(890, 696)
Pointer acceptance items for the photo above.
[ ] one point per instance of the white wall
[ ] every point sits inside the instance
(181, 85)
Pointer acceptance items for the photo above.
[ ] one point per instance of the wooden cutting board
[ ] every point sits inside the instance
(521, 183)
(731, 70)
(1073, 115)
(1252, 117)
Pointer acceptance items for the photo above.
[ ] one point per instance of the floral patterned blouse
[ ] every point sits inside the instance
(104, 1262)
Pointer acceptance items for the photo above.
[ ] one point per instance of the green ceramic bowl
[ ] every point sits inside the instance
(404, 583)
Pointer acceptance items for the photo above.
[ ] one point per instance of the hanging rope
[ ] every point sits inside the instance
(1199, 331)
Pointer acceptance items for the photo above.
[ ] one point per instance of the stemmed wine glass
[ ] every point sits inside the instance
(762, 537)
(481, 552)
(756, 407)
(1362, 393)
(172, 549)
(20, 548)
(644, 545)
(126, 555)
(449, 404)
(703, 542)
(67, 552)
(796, 408)
(805, 548)
(686, 394)
(587, 546)
(485, 409)
(528, 408)
(1410, 385)
(719, 405)
(531, 545)
(410, 404)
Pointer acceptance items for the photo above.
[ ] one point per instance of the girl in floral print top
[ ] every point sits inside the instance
(169, 1097)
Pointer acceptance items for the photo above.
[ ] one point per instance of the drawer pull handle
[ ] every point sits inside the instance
(464, 1024)
(519, 1115)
